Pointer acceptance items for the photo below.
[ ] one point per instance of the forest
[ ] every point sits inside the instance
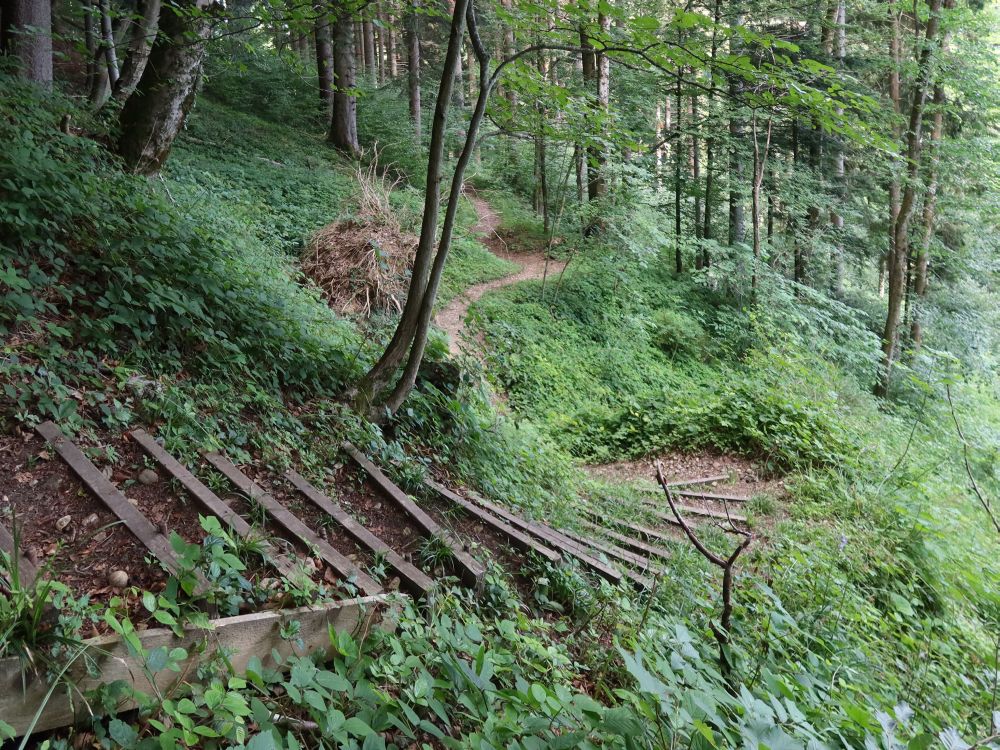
(500, 374)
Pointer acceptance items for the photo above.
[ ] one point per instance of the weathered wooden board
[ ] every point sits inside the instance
(414, 579)
(700, 480)
(692, 510)
(613, 550)
(649, 549)
(111, 496)
(293, 524)
(239, 638)
(643, 530)
(26, 570)
(713, 496)
(524, 542)
(470, 570)
(552, 536)
(213, 503)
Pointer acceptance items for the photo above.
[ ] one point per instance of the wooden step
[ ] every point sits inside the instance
(613, 550)
(293, 525)
(700, 480)
(215, 505)
(116, 502)
(522, 541)
(414, 580)
(649, 549)
(713, 496)
(470, 571)
(694, 511)
(643, 530)
(553, 537)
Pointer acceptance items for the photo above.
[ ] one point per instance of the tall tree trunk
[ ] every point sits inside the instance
(508, 50)
(759, 164)
(368, 39)
(839, 167)
(324, 53)
(927, 219)
(899, 248)
(413, 67)
(90, 42)
(708, 230)
(390, 51)
(155, 113)
(108, 43)
(737, 221)
(696, 173)
(417, 309)
(27, 36)
(603, 103)
(141, 36)
(343, 132)
(380, 61)
(678, 156)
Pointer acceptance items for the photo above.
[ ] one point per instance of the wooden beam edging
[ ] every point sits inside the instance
(649, 549)
(414, 579)
(700, 480)
(695, 511)
(523, 541)
(552, 536)
(613, 550)
(293, 524)
(235, 638)
(213, 503)
(116, 502)
(27, 571)
(469, 568)
(713, 496)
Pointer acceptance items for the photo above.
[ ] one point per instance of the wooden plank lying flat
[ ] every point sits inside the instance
(522, 541)
(695, 511)
(415, 580)
(26, 570)
(700, 480)
(213, 504)
(111, 496)
(293, 525)
(470, 570)
(643, 530)
(713, 496)
(552, 536)
(649, 549)
(237, 638)
(613, 550)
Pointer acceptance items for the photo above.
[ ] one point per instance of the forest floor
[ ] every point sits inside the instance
(534, 265)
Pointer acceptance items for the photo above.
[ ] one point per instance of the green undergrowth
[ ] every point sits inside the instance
(177, 304)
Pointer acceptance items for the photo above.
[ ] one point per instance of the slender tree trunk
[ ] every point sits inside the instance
(155, 113)
(708, 229)
(90, 42)
(324, 53)
(737, 221)
(368, 40)
(390, 50)
(899, 248)
(508, 50)
(603, 103)
(27, 36)
(380, 61)
(759, 164)
(141, 36)
(413, 67)
(840, 172)
(343, 132)
(404, 340)
(927, 220)
(678, 156)
(696, 173)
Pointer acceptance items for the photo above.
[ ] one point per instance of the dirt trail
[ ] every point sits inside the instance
(451, 317)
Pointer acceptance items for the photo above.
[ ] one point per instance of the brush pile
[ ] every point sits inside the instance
(362, 264)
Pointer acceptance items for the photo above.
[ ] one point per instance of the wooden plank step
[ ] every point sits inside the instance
(26, 570)
(293, 525)
(522, 541)
(643, 530)
(695, 511)
(552, 536)
(470, 570)
(713, 496)
(214, 504)
(649, 549)
(25, 697)
(414, 580)
(613, 550)
(111, 496)
(700, 480)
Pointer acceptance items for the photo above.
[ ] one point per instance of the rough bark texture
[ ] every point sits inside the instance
(141, 36)
(27, 36)
(368, 42)
(324, 54)
(155, 113)
(413, 68)
(344, 117)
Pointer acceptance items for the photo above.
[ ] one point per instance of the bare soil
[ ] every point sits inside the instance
(534, 265)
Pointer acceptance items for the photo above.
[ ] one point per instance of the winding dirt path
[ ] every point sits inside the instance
(451, 317)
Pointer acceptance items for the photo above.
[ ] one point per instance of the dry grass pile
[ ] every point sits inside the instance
(362, 264)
